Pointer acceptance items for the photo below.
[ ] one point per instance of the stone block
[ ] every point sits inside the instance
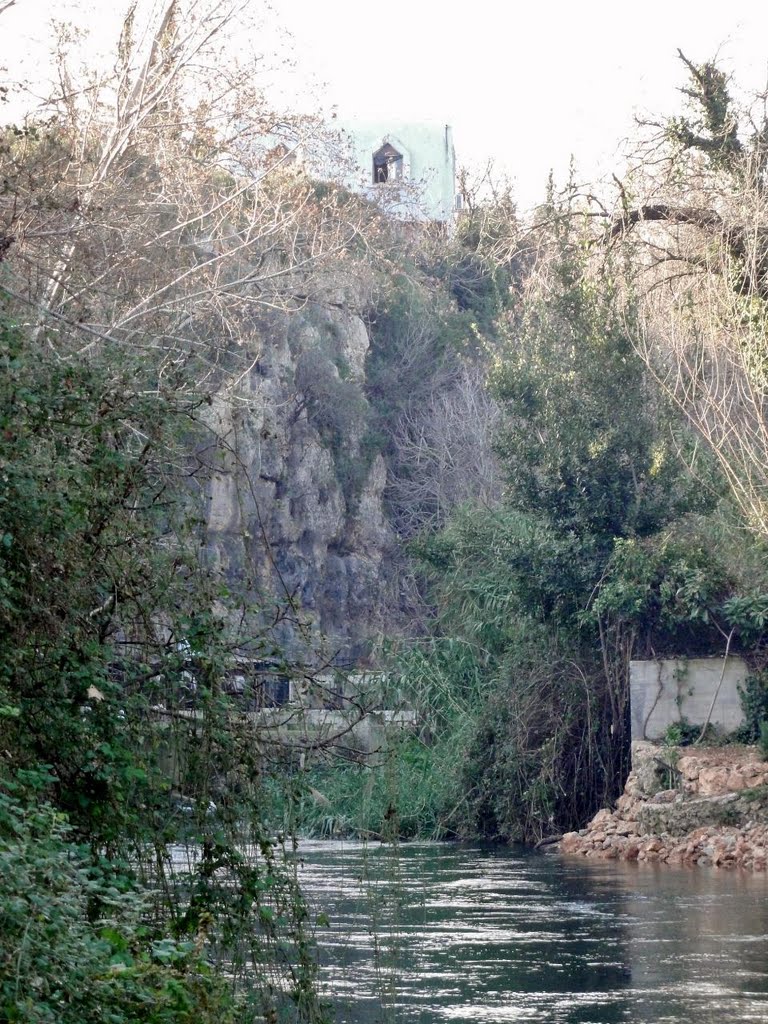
(689, 767)
(713, 781)
(602, 817)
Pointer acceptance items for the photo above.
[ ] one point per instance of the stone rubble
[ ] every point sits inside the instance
(716, 813)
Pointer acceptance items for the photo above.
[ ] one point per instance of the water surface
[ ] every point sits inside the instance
(425, 933)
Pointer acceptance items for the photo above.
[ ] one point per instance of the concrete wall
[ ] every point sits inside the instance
(664, 692)
(316, 730)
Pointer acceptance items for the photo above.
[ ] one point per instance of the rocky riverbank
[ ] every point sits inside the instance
(684, 805)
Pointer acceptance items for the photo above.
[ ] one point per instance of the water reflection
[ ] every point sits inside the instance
(431, 932)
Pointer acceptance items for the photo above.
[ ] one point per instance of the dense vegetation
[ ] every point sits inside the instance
(631, 518)
(141, 880)
(109, 655)
(564, 494)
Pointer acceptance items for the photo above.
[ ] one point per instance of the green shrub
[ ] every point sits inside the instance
(590, 556)
(684, 733)
(76, 947)
(754, 706)
(763, 739)
(106, 637)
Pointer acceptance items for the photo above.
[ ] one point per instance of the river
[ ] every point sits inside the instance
(435, 932)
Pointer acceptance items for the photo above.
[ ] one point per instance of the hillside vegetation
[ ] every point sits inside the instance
(625, 372)
(251, 428)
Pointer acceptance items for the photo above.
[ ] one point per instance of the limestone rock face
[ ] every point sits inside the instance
(295, 495)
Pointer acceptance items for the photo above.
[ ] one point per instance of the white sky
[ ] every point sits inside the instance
(525, 84)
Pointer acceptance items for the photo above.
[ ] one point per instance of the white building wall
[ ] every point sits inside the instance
(427, 189)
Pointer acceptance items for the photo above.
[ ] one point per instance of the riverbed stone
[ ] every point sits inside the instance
(625, 828)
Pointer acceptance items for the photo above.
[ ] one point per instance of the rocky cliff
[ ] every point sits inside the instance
(295, 488)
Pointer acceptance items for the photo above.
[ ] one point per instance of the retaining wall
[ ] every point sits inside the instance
(664, 692)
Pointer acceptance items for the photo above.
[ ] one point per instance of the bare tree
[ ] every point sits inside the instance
(691, 233)
(150, 207)
(444, 454)
(706, 347)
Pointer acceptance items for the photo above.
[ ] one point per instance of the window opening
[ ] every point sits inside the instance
(387, 165)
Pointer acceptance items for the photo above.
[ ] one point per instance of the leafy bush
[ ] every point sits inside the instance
(586, 559)
(763, 741)
(671, 587)
(684, 733)
(754, 706)
(106, 636)
(76, 946)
